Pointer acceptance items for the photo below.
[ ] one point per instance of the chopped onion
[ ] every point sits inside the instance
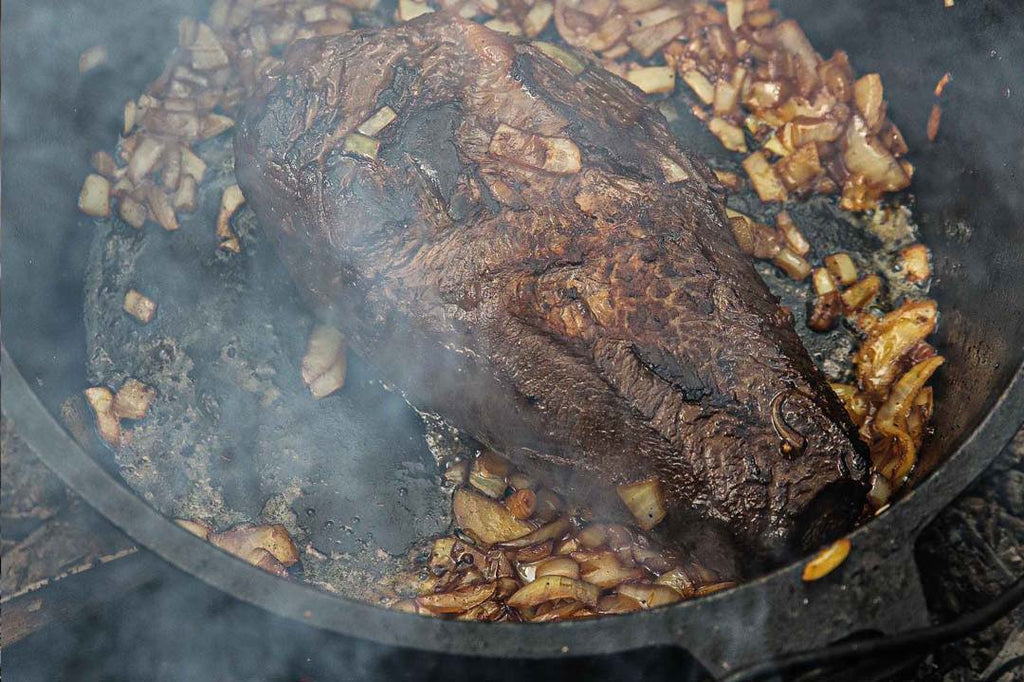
(862, 293)
(101, 400)
(243, 539)
(618, 603)
(901, 398)
(889, 340)
(565, 58)
(551, 587)
(763, 178)
(324, 365)
(679, 580)
(377, 122)
(645, 501)
(563, 566)
(914, 260)
(653, 79)
(133, 399)
(488, 521)
(361, 145)
(864, 154)
(822, 280)
(458, 600)
(138, 306)
(94, 199)
(827, 560)
(551, 154)
(729, 134)
(551, 531)
(825, 312)
(604, 569)
(841, 267)
(700, 85)
(650, 596)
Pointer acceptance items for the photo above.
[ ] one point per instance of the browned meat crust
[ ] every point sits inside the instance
(533, 256)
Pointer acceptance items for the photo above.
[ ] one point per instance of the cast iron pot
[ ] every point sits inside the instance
(970, 204)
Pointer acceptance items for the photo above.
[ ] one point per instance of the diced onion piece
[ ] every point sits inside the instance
(93, 57)
(550, 587)
(563, 566)
(101, 400)
(200, 529)
(889, 340)
(865, 155)
(186, 197)
(650, 595)
(192, 165)
(825, 312)
(207, 52)
(700, 85)
(726, 98)
(729, 134)
(94, 199)
(567, 59)
(618, 603)
(645, 501)
(133, 399)
(880, 492)
(605, 570)
(856, 403)
(244, 539)
(130, 111)
(537, 18)
(459, 600)
(104, 164)
(144, 159)
(653, 79)
(729, 179)
(138, 306)
(568, 609)
(870, 100)
(550, 531)
(799, 169)
(160, 207)
(361, 145)
(841, 267)
(901, 398)
(487, 520)
(410, 9)
(647, 41)
(822, 280)
(792, 234)
(325, 364)
(679, 580)
(734, 10)
(673, 171)
(377, 122)
(763, 177)
(827, 560)
(504, 26)
(914, 260)
(862, 293)
(132, 212)
(551, 154)
(521, 503)
(213, 125)
(792, 263)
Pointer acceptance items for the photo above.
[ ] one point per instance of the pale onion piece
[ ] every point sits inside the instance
(645, 501)
(799, 169)
(361, 145)
(653, 79)
(207, 52)
(862, 293)
(864, 154)
(490, 481)
(649, 40)
(789, 36)
(593, 535)
(377, 122)
(213, 125)
(618, 603)
(315, 13)
(673, 171)
(567, 546)
(535, 552)
(186, 197)
(457, 601)
(130, 110)
(842, 268)
(133, 399)
(243, 539)
(132, 212)
(637, 6)
(734, 10)
(901, 398)
(537, 18)
(569, 609)
(200, 529)
(160, 208)
(763, 177)
(565, 58)
(655, 16)
(262, 558)
(551, 154)
(729, 134)
(822, 280)
(880, 492)
(504, 26)
(441, 553)
(792, 234)
(802, 130)
(410, 9)
(679, 580)
(711, 588)
(325, 363)
(192, 165)
(91, 58)
(729, 179)
(521, 503)
(856, 403)
(726, 98)
(793, 264)
(650, 595)
(560, 565)
(870, 100)
(550, 587)
(700, 85)
(231, 199)
(890, 339)
(827, 560)
(914, 261)
(605, 570)
(825, 313)
(104, 164)
(138, 306)
(144, 159)
(555, 530)
(487, 520)
(101, 400)
(94, 199)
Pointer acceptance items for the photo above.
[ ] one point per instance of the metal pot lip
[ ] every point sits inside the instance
(346, 616)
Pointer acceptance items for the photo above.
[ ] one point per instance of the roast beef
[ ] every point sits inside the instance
(530, 254)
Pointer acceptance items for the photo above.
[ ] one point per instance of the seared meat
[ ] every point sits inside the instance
(531, 255)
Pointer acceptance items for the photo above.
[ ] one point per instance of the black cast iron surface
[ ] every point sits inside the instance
(969, 203)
